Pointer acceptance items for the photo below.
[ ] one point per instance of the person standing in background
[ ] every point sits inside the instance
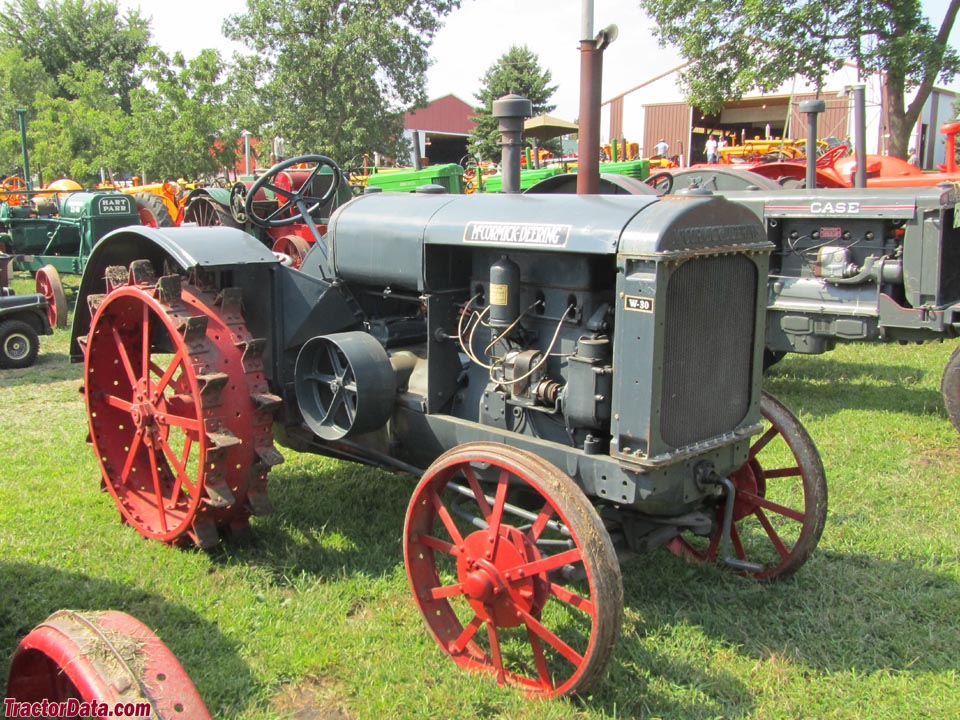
(711, 150)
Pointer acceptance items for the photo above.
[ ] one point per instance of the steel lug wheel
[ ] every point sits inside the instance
(48, 284)
(513, 570)
(108, 658)
(178, 406)
(780, 503)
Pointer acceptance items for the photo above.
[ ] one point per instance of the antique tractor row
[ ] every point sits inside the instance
(867, 264)
(572, 378)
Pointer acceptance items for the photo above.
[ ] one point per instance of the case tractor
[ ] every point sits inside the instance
(573, 379)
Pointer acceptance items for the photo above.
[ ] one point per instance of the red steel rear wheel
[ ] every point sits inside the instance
(513, 569)
(781, 501)
(110, 658)
(48, 284)
(178, 407)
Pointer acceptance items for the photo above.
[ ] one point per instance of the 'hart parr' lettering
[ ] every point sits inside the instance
(537, 234)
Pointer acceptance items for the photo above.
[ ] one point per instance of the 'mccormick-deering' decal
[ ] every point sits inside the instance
(511, 233)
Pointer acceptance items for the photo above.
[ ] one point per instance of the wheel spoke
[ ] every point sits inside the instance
(145, 347)
(437, 544)
(551, 639)
(540, 524)
(124, 357)
(496, 515)
(444, 514)
(571, 598)
(540, 660)
(786, 472)
(495, 651)
(763, 441)
(445, 591)
(167, 375)
(119, 403)
(184, 423)
(568, 557)
(772, 533)
(131, 456)
(477, 492)
(181, 471)
(774, 507)
(156, 488)
(737, 543)
(466, 636)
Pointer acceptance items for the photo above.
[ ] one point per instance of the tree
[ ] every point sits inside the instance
(517, 71)
(60, 33)
(336, 76)
(180, 122)
(21, 82)
(77, 137)
(735, 46)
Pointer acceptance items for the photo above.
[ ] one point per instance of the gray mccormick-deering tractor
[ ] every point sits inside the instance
(571, 377)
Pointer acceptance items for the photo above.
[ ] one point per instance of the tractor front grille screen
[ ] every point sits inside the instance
(708, 349)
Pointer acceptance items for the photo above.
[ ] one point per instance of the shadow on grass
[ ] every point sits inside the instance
(51, 367)
(31, 593)
(838, 385)
(331, 520)
(839, 613)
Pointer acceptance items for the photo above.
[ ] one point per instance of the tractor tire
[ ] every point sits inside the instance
(153, 213)
(207, 212)
(19, 344)
(950, 388)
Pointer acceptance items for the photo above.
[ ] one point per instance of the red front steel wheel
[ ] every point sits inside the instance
(178, 407)
(48, 284)
(110, 658)
(781, 500)
(513, 569)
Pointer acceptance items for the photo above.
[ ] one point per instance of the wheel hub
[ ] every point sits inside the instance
(749, 479)
(495, 588)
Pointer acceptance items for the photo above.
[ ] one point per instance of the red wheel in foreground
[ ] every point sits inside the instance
(294, 246)
(48, 284)
(106, 657)
(781, 501)
(513, 569)
(178, 407)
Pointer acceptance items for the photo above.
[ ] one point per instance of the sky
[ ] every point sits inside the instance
(475, 35)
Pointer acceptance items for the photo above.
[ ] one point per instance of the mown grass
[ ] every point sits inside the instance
(315, 617)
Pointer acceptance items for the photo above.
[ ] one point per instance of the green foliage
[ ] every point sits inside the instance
(180, 124)
(60, 33)
(77, 137)
(336, 76)
(21, 82)
(517, 71)
(735, 47)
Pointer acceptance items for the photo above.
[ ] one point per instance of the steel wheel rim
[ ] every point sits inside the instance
(142, 415)
(504, 611)
(16, 346)
(48, 284)
(293, 246)
(775, 526)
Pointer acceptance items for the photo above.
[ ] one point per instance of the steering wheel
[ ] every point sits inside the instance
(294, 199)
(832, 155)
(662, 182)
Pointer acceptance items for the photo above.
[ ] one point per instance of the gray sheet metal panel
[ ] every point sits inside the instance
(589, 224)
(692, 224)
(378, 239)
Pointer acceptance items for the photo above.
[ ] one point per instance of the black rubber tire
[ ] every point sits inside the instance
(950, 388)
(152, 204)
(772, 357)
(19, 344)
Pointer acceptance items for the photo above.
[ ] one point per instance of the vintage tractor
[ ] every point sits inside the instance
(55, 233)
(23, 319)
(572, 378)
(261, 204)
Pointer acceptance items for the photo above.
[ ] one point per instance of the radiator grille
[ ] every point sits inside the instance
(708, 352)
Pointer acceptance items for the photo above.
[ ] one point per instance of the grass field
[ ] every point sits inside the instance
(314, 619)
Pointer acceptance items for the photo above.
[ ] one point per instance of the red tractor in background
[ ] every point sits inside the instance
(268, 205)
